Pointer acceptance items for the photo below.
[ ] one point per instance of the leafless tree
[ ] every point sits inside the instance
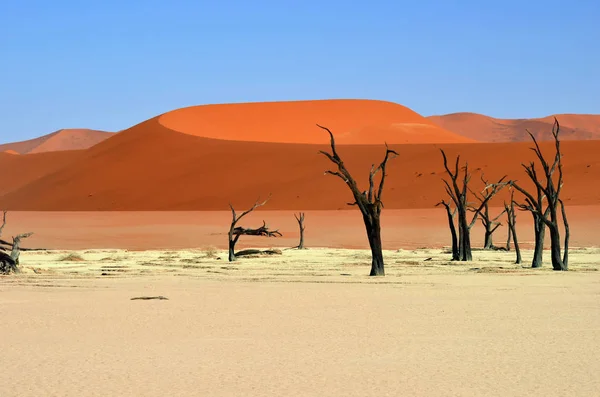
(511, 216)
(236, 231)
(300, 219)
(451, 213)
(457, 189)
(489, 224)
(369, 202)
(548, 190)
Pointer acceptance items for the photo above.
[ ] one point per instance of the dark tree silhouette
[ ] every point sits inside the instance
(457, 190)
(489, 224)
(369, 202)
(549, 190)
(511, 216)
(300, 219)
(236, 231)
(450, 212)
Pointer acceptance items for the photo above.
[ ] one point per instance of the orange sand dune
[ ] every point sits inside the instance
(66, 139)
(355, 122)
(25, 169)
(489, 129)
(10, 152)
(150, 167)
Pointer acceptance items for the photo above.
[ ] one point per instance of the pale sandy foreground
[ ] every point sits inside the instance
(304, 323)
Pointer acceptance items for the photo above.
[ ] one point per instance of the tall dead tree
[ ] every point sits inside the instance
(236, 231)
(457, 189)
(549, 190)
(511, 216)
(451, 212)
(369, 202)
(300, 219)
(489, 224)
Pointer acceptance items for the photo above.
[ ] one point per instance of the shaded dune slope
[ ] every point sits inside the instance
(353, 121)
(150, 167)
(66, 139)
(489, 129)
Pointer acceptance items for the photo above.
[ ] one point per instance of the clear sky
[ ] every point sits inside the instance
(113, 63)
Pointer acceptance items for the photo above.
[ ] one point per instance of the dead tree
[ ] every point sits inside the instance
(457, 190)
(511, 216)
(549, 190)
(489, 224)
(369, 202)
(9, 263)
(236, 231)
(300, 220)
(450, 212)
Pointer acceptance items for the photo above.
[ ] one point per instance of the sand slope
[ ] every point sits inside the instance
(354, 121)
(489, 129)
(65, 139)
(150, 167)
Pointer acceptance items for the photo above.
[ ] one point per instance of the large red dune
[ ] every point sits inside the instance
(65, 139)
(150, 167)
(353, 121)
(488, 129)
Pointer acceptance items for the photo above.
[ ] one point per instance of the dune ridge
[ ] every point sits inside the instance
(64, 139)
(355, 121)
(488, 129)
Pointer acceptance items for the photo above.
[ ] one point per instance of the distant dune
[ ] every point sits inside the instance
(203, 157)
(353, 122)
(66, 139)
(488, 129)
(149, 167)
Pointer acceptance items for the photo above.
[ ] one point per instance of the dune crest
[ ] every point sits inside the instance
(488, 129)
(10, 151)
(65, 139)
(353, 121)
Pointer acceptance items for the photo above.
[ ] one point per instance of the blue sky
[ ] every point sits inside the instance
(111, 64)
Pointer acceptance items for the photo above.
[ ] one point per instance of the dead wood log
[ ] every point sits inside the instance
(369, 202)
(9, 263)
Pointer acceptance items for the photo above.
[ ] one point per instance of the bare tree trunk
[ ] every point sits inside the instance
(465, 243)
(300, 220)
(511, 217)
(567, 236)
(450, 214)
(374, 234)
(540, 234)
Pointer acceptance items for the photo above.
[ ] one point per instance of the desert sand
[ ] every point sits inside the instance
(489, 129)
(302, 323)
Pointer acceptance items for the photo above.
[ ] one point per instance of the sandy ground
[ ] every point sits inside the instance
(141, 230)
(306, 323)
